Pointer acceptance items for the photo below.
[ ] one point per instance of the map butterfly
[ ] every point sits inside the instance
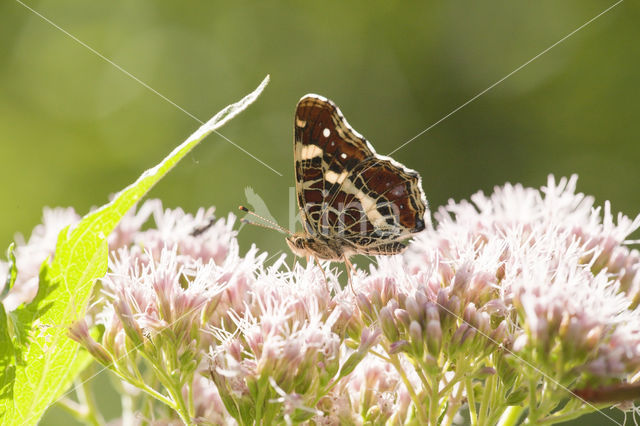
(351, 199)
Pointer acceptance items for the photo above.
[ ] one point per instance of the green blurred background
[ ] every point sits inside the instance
(74, 128)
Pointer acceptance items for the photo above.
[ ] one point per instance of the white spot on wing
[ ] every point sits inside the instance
(326, 132)
(310, 151)
(398, 190)
(333, 177)
(343, 156)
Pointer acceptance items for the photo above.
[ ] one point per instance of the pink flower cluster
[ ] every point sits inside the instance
(523, 289)
(559, 262)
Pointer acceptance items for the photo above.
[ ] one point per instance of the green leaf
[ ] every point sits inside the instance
(7, 358)
(49, 361)
(12, 274)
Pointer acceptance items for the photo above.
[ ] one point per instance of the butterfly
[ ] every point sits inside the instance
(351, 199)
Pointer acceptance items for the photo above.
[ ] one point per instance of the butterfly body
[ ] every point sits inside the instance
(304, 245)
(351, 199)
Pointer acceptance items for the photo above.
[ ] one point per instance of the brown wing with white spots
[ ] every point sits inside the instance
(325, 150)
(346, 192)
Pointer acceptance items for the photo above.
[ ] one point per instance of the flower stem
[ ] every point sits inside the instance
(179, 404)
(190, 401)
(473, 415)
(260, 400)
(511, 416)
(393, 359)
(563, 417)
(455, 379)
(454, 405)
(425, 382)
(486, 400)
(434, 399)
(139, 383)
(379, 355)
(533, 402)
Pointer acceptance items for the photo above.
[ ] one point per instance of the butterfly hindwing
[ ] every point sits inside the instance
(387, 201)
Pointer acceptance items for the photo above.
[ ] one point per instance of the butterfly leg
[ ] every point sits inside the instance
(349, 268)
(326, 282)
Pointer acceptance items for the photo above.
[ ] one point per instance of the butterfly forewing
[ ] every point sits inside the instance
(325, 150)
(345, 190)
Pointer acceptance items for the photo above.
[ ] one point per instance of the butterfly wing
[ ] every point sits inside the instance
(381, 201)
(345, 190)
(325, 150)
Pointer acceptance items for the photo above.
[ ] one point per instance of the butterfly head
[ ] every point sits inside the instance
(298, 243)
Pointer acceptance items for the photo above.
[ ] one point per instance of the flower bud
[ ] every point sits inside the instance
(449, 312)
(431, 312)
(593, 337)
(498, 334)
(365, 307)
(403, 318)
(434, 337)
(129, 324)
(462, 279)
(399, 346)
(442, 303)
(354, 326)
(79, 331)
(413, 308)
(469, 315)
(376, 300)
(484, 372)
(417, 343)
(421, 299)
(388, 290)
(368, 338)
(402, 299)
(389, 327)
(469, 342)
(455, 344)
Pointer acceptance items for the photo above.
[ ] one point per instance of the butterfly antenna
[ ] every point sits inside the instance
(271, 224)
